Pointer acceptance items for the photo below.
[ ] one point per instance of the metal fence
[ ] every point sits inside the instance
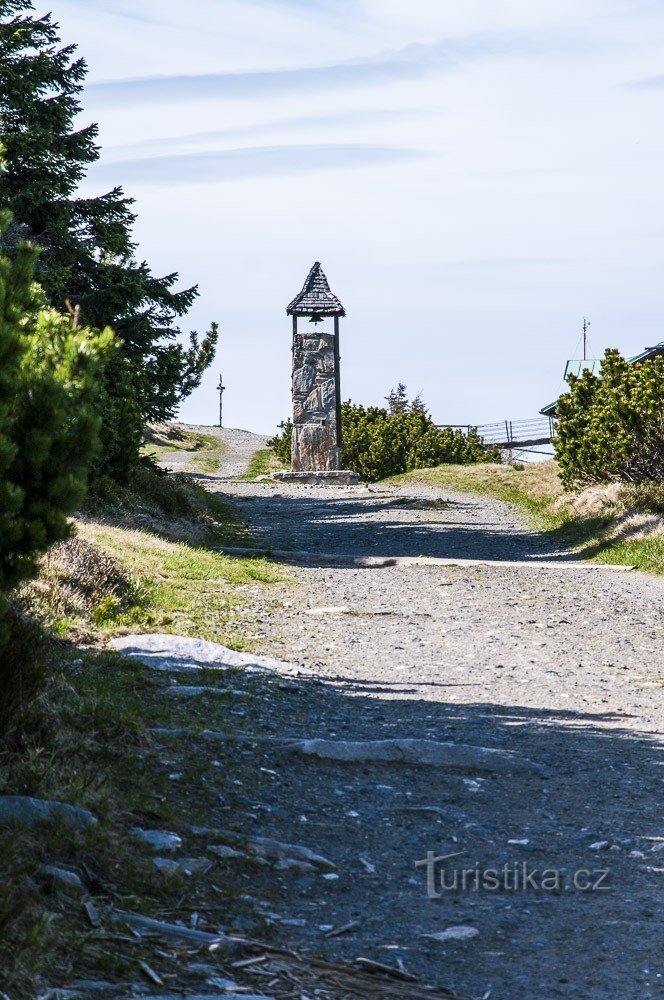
(538, 430)
(512, 433)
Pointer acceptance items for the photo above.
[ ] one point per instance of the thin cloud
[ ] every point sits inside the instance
(351, 118)
(253, 162)
(337, 7)
(648, 83)
(120, 10)
(506, 262)
(410, 63)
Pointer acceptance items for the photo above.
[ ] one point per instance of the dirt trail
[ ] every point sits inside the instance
(237, 448)
(563, 666)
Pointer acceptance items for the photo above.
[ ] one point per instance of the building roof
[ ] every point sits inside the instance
(594, 365)
(575, 367)
(648, 352)
(316, 299)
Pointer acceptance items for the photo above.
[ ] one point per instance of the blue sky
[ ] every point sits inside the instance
(474, 175)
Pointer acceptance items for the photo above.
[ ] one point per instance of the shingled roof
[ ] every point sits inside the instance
(316, 297)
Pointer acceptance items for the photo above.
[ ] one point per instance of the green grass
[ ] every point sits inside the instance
(262, 463)
(605, 535)
(207, 463)
(189, 589)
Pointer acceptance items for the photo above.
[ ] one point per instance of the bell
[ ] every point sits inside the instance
(316, 318)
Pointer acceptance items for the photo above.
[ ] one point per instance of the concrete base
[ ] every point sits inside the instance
(337, 477)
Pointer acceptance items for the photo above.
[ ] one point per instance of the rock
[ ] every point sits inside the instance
(326, 477)
(460, 933)
(220, 984)
(58, 994)
(453, 756)
(175, 652)
(21, 810)
(184, 866)
(274, 850)
(303, 380)
(341, 610)
(292, 864)
(91, 913)
(61, 878)
(95, 985)
(184, 691)
(205, 996)
(148, 927)
(225, 852)
(266, 848)
(599, 845)
(160, 840)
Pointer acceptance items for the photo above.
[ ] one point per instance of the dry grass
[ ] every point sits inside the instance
(189, 590)
(616, 523)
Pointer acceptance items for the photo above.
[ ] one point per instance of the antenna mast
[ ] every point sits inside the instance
(586, 324)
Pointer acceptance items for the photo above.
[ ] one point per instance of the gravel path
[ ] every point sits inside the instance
(562, 666)
(569, 637)
(234, 456)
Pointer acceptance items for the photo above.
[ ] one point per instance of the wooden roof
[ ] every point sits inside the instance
(316, 297)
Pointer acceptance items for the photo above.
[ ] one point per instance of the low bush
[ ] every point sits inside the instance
(379, 442)
(280, 444)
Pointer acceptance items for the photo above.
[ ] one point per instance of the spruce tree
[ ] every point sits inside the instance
(88, 255)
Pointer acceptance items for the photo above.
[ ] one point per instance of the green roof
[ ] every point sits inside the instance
(593, 365)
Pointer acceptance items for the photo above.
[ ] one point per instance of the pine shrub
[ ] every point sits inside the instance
(49, 429)
(379, 442)
(611, 425)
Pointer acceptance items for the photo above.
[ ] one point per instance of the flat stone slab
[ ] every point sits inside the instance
(176, 652)
(186, 691)
(21, 810)
(185, 866)
(460, 757)
(378, 562)
(341, 477)
(453, 756)
(158, 840)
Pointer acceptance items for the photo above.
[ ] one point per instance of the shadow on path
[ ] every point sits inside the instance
(586, 821)
(388, 527)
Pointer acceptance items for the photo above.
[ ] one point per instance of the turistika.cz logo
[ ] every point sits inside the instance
(516, 876)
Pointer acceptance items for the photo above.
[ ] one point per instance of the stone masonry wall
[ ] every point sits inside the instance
(315, 445)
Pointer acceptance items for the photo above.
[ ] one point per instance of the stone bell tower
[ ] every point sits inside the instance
(316, 443)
